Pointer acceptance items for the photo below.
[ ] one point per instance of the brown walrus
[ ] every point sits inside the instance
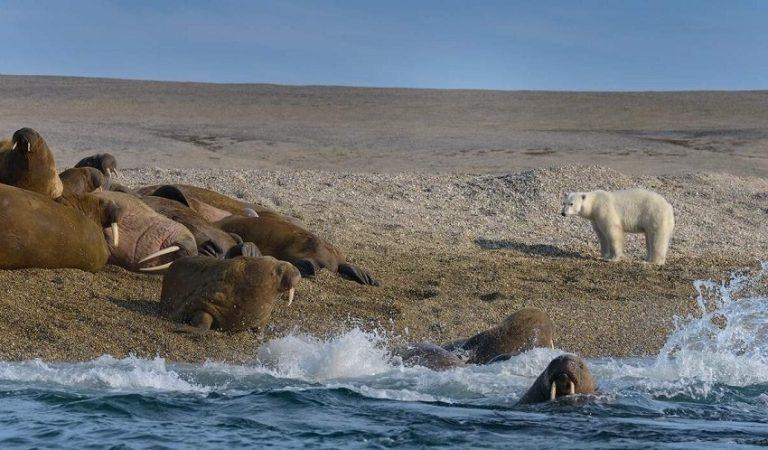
(523, 330)
(429, 355)
(149, 242)
(38, 232)
(565, 375)
(81, 180)
(209, 204)
(210, 239)
(29, 164)
(234, 294)
(103, 162)
(287, 241)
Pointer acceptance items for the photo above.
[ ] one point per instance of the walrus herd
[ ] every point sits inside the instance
(225, 262)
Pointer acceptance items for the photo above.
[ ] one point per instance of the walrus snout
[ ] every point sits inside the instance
(163, 258)
(24, 138)
(561, 384)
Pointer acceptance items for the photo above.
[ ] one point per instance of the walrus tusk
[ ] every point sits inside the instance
(165, 251)
(29, 147)
(15, 144)
(553, 391)
(115, 235)
(552, 344)
(155, 268)
(571, 388)
(290, 295)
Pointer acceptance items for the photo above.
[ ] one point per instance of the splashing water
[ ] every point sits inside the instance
(709, 384)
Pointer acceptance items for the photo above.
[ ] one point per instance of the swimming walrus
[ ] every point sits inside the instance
(523, 330)
(103, 162)
(210, 239)
(81, 180)
(38, 232)
(429, 355)
(29, 164)
(236, 294)
(565, 375)
(287, 241)
(149, 241)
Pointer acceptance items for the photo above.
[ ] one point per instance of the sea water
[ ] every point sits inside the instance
(707, 388)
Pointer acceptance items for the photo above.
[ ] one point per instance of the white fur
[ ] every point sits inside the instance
(629, 211)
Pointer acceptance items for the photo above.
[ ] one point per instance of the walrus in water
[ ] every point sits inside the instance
(565, 375)
(38, 232)
(210, 239)
(103, 162)
(149, 242)
(429, 355)
(234, 294)
(81, 180)
(523, 330)
(29, 164)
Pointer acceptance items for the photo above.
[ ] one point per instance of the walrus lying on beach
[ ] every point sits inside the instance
(29, 164)
(81, 180)
(565, 375)
(210, 239)
(287, 241)
(38, 232)
(211, 205)
(147, 236)
(103, 162)
(234, 294)
(523, 330)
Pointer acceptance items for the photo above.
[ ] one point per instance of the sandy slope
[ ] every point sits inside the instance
(391, 130)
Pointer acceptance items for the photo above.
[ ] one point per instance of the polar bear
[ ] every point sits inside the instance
(628, 211)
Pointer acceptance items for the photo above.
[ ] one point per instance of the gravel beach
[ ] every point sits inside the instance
(458, 240)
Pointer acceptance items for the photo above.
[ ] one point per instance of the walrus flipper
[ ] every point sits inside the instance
(243, 249)
(171, 193)
(354, 273)
(306, 267)
(211, 249)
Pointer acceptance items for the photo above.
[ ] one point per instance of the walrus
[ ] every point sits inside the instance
(38, 232)
(429, 355)
(29, 164)
(209, 204)
(236, 294)
(287, 241)
(565, 375)
(523, 330)
(103, 162)
(210, 239)
(81, 180)
(149, 241)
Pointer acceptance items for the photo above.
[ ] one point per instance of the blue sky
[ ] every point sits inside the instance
(549, 45)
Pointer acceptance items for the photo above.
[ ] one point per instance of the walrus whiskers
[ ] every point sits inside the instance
(290, 296)
(553, 392)
(165, 251)
(115, 234)
(155, 268)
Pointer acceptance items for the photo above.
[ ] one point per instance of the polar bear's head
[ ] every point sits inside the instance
(573, 203)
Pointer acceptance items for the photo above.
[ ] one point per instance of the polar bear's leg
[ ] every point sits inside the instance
(615, 236)
(605, 250)
(658, 242)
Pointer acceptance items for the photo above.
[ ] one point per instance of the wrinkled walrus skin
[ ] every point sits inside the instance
(29, 165)
(289, 242)
(37, 232)
(565, 375)
(235, 294)
(82, 180)
(523, 330)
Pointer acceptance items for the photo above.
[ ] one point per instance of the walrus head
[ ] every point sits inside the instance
(27, 140)
(104, 162)
(565, 375)
(104, 212)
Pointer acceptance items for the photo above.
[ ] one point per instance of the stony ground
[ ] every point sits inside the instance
(455, 255)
